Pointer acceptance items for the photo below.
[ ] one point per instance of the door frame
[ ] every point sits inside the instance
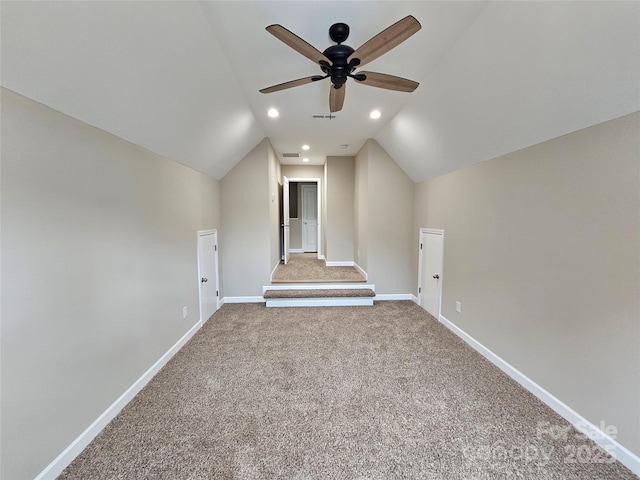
(421, 241)
(318, 182)
(286, 220)
(203, 233)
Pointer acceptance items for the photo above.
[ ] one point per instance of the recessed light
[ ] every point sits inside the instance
(375, 114)
(305, 159)
(305, 147)
(273, 113)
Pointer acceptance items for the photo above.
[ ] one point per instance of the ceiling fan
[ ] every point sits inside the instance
(338, 62)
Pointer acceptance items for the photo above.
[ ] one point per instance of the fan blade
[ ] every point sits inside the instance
(390, 82)
(292, 83)
(298, 44)
(386, 40)
(336, 98)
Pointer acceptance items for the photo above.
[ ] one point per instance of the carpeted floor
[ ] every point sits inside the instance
(340, 392)
(305, 267)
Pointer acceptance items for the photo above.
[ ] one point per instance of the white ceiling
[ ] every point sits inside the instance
(182, 78)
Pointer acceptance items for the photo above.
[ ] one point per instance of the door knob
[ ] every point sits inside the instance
(204, 279)
(436, 276)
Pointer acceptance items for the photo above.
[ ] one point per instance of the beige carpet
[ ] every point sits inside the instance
(306, 268)
(339, 393)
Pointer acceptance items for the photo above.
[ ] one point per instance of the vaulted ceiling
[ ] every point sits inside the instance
(181, 78)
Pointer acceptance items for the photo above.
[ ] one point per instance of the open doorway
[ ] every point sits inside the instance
(301, 225)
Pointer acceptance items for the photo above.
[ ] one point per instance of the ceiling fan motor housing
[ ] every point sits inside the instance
(339, 69)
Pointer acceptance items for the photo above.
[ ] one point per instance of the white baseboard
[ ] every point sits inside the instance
(623, 454)
(364, 274)
(414, 299)
(392, 296)
(296, 250)
(340, 264)
(63, 460)
(256, 299)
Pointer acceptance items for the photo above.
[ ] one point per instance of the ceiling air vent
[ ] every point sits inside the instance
(323, 115)
(291, 155)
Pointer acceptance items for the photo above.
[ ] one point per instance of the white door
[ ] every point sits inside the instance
(430, 267)
(208, 273)
(310, 218)
(285, 225)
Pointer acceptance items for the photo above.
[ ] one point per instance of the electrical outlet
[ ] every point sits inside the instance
(184, 312)
(458, 307)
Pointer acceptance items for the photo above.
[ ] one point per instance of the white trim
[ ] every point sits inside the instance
(364, 274)
(255, 299)
(620, 452)
(321, 302)
(318, 181)
(419, 292)
(319, 219)
(415, 299)
(321, 257)
(63, 460)
(296, 250)
(217, 257)
(393, 296)
(286, 220)
(340, 264)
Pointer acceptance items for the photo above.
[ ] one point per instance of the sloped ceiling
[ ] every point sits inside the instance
(182, 78)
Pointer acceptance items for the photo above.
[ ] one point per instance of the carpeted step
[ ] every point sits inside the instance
(320, 293)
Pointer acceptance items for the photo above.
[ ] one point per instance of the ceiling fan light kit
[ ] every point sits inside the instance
(339, 62)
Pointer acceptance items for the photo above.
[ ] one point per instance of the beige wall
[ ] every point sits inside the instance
(383, 200)
(340, 219)
(390, 208)
(303, 171)
(542, 250)
(361, 204)
(98, 259)
(275, 177)
(245, 243)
